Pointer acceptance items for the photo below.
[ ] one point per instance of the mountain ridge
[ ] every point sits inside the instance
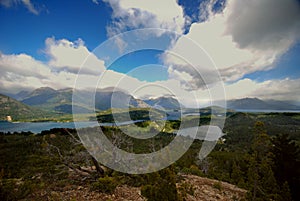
(259, 104)
(17, 110)
(164, 102)
(60, 101)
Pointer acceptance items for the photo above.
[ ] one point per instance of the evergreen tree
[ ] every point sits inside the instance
(285, 194)
(262, 183)
(161, 186)
(286, 164)
(237, 175)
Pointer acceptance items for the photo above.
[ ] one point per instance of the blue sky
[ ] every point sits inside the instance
(288, 66)
(255, 55)
(25, 32)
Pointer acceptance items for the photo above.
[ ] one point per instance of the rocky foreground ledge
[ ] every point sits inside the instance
(194, 187)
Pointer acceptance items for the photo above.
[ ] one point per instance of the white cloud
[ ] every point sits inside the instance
(264, 25)
(70, 56)
(206, 9)
(242, 88)
(286, 89)
(27, 3)
(18, 72)
(23, 72)
(143, 89)
(165, 14)
(247, 36)
(24, 65)
(30, 7)
(95, 2)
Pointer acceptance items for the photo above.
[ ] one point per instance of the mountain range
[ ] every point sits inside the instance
(167, 102)
(18, 110)
(258, 104)
(60, 101)
(46, 99)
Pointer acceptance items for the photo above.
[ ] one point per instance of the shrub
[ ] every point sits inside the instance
(105, 185)
(162, 187)
(14, 189)
(218, 185)
(193, 170)
(186, 188)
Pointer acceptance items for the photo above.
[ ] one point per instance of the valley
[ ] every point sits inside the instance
(66, 170)
(52, 163)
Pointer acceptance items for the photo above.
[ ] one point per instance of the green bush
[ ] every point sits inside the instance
(218, 185)
(193, 170)
(159, 192)
(161, 187)
(142, 124)
(14, 189)
(185, 189)
(105, 185)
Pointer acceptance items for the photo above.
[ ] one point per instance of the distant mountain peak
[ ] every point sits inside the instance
(17, 110)
(42, 90)
(112, 89)
(165, 102)
(69, 89)
(258, 104)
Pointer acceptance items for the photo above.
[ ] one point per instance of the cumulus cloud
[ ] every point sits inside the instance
(22, 64)
(27, 3)
(21, 71)
(286, 89)
(70, 56)
(128, 14)
(247, 36)
(264, 24)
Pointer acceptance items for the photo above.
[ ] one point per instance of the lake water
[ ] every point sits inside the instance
(37, 127)
(206, 132)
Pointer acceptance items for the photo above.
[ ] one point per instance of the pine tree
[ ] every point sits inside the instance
(237, 175)
(286, 164)
(261, 180)
(285, 194)
(161, 186)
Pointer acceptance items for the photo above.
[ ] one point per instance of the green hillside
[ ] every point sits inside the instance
(259, 154)
(60, 101)
(50, 100)
(17, 110)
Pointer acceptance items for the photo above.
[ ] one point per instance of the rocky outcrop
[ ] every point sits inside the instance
(202, 189)
(212, 190)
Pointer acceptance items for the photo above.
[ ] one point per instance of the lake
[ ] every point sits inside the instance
(37, 127)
